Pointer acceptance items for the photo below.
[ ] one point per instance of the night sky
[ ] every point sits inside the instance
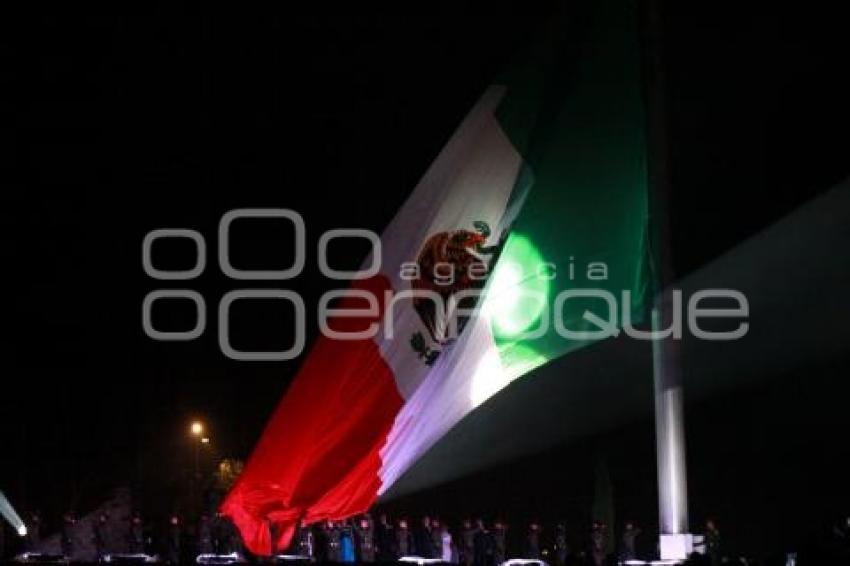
(119, 121)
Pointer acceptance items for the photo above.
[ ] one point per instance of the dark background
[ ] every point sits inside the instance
(121, 120)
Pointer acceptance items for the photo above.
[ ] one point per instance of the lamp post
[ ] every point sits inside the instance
(197, 429)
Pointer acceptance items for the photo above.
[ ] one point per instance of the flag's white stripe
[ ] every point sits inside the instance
(471, 180)
(463, 378)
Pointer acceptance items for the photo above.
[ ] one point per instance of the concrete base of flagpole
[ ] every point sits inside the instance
(676, 547)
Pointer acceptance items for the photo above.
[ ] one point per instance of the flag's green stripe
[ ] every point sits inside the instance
(580, 127)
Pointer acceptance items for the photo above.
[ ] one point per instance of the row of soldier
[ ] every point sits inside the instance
(475, 543)
(174, 540)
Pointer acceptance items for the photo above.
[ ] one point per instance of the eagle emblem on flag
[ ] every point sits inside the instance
(449, 262)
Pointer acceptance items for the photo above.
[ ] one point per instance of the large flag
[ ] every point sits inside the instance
(541, 189)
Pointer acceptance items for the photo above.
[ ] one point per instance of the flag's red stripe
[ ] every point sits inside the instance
(319, 455)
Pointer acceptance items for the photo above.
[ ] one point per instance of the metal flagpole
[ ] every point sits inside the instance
(675, 542)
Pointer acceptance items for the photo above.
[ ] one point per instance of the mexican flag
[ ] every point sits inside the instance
(540, 194)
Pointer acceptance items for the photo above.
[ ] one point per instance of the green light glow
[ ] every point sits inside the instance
(519, 291)
(498, 367)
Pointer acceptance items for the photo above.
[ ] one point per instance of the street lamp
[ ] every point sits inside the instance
(196, 428)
